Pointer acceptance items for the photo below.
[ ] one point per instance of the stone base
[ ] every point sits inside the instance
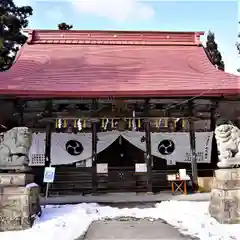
(19, 207)
(15, 179)
(225, 196)
(228, 163)
(205, 184)
(16, 168)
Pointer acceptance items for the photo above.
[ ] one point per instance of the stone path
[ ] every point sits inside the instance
(132, 230)
(124, 198)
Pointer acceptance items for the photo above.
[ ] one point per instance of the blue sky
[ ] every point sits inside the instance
(221, 17)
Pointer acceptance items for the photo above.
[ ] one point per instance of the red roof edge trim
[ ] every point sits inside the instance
(30, 36)
(142, 43)
(107, 94)
(110, 37)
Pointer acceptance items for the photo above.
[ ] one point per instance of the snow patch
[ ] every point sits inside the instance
(68, 222)
(31, 185)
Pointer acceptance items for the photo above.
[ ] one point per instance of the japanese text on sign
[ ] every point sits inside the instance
(49, 175)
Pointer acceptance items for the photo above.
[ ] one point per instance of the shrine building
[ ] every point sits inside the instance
(117, 111)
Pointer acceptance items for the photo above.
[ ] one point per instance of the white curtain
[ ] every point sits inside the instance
(105, 139)
(181, 150)
(37, 150)
(135, 139)
(175, 146)
(180, 153)
(60, 155)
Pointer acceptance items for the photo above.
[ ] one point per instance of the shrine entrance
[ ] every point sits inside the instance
(121, 157)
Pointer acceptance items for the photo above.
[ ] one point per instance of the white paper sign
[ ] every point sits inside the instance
(141, 167)
(102, 168)
(49, 174)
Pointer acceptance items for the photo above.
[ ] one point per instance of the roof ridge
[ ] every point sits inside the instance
(113, 37)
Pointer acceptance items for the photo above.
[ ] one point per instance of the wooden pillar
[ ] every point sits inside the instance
(48, 145)
(213, 116)
(193, 146)
(20, 108)
(48, 135)
(48, 142)
(214, 152)
(94, 148)
(148, 155)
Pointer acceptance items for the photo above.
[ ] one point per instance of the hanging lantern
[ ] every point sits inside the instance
(84, 123)
(102, 123)
(64, 123)
(129, 123)
(75, 123)
(139, 123)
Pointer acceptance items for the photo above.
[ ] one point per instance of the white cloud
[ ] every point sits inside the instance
(116, 10)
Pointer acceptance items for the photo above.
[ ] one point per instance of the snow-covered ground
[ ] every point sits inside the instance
(70, 221)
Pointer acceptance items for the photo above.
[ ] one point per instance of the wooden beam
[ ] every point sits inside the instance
(193, 146)
(148, 155)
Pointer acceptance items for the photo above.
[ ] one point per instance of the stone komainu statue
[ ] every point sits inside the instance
(14, 149)
(228, 143)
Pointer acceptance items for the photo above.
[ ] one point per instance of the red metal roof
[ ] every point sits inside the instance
(115, 64)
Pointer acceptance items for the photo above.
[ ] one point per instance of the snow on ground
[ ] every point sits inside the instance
(68, 222)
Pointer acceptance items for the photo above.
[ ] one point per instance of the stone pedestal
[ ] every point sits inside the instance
(19, 205)
(225, 196)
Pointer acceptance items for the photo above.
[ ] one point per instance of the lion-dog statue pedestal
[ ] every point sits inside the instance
(19, 196)
(225, 195)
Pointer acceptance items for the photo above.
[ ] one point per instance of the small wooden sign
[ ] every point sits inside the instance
(102, 168)
(140, 167)
(49, 174)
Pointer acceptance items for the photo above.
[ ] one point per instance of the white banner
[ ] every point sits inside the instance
(37, 150)
(175, 146)
(70, 148)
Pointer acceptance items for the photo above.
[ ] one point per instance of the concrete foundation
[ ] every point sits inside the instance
(225, 196)
(19, 205)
